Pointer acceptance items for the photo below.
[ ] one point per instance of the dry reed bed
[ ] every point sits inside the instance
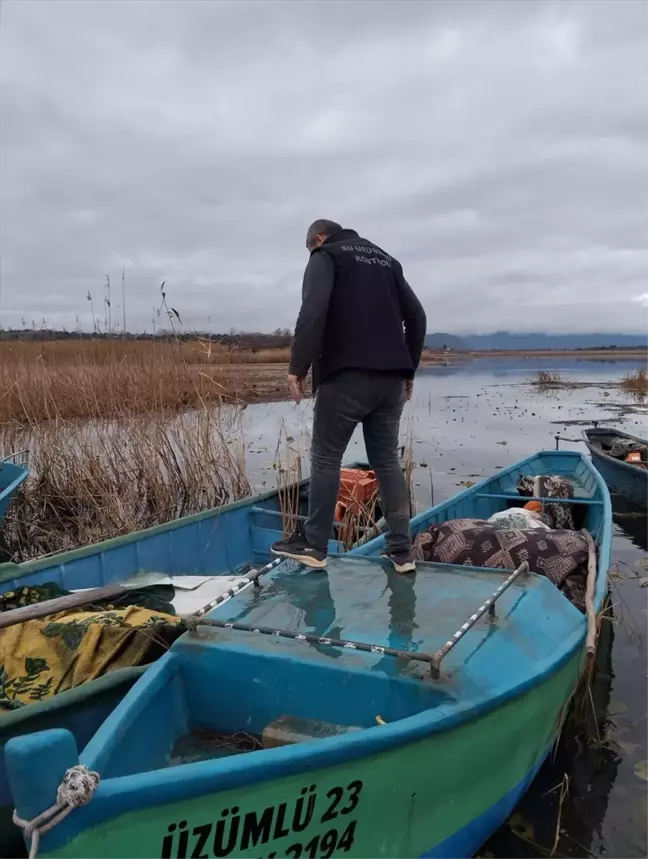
(95, 480)
(636, 383)
(105, 378)
(123, 435)
(109, 351)
(100, 378)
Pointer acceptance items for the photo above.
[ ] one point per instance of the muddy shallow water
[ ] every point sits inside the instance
(466, 422)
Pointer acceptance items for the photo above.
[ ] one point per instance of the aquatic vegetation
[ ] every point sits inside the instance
(636, 383)
(549, 378)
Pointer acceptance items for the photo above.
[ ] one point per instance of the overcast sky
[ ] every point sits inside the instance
(498, 149)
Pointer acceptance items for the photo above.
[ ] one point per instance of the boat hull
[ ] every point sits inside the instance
(441, 796)
(627, 480)
(440, 788)
(12, 475)
(216, 541)
(213, 542)
(80, 711)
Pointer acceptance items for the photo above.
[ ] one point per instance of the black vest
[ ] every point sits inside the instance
(364, 326)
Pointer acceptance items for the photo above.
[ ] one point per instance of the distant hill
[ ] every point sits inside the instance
(505, 340)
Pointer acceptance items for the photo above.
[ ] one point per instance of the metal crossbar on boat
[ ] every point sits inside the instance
(316, 639)
(244, 584)
(433, 660)
(487, 606)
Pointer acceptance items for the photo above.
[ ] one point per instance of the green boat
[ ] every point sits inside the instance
(352, 712)
(214, 548)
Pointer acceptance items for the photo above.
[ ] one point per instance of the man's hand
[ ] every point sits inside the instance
(409, 389)
(296, 387)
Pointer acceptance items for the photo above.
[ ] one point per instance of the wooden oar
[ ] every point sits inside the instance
(590, 588)
(42, 609)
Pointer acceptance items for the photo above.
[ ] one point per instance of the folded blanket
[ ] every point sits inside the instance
(561, 555)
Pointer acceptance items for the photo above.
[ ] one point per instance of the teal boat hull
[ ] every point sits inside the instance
(217, 541)
(419, 736)
(630, 481)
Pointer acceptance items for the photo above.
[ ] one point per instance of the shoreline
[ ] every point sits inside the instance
(589, 354)
(266, 382)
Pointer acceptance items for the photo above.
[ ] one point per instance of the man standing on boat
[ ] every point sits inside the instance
(361, 328)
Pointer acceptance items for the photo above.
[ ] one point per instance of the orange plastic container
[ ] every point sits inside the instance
(357, 487)
(634, 457)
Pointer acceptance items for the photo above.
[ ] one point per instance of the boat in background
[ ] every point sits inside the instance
(291, 717)
(201, 555)
(622, 459)
(13, 472)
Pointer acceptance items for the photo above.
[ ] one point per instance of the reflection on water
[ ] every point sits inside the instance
(466, 422)
(354, 603)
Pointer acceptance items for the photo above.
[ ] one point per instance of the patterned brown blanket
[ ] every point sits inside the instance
(559, 555)
(556, 514)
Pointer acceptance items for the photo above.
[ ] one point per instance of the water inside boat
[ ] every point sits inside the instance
(223, 693)
(190, 593)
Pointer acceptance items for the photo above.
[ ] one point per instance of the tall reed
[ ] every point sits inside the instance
(636, 383)
(288, 467)
(100, 378)
(94, 480)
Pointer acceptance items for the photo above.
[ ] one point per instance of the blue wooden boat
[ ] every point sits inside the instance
(13, 472)
(222, 542)
(627, 479)
(383, 715)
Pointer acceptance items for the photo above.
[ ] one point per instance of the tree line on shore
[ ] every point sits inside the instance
(279, 339)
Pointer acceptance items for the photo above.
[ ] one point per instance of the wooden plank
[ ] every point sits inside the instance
(42, 609)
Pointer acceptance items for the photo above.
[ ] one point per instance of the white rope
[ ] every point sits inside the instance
(77, 788)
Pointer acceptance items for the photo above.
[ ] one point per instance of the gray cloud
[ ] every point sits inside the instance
(498, 149)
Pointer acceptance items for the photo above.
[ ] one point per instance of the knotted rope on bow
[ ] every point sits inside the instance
(77, 788)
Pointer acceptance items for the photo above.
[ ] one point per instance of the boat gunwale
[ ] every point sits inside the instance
(9, 570)
(21, 717)
(418, 522)
(611, 431)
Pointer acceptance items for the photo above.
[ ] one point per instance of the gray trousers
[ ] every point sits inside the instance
(376, 401)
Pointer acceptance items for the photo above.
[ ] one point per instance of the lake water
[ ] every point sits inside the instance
(465, 422)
